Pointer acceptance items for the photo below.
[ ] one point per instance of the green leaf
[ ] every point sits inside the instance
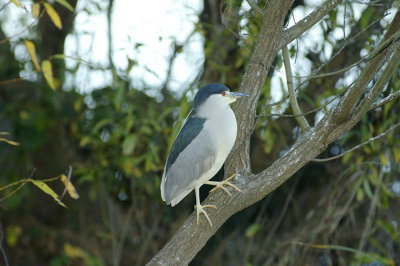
(360, 194)
(252, 230)
(58, 56)
(99, 125)
(131, 64)
(347, 157)
(367, 189)
(388, 227)
(85, 140)
(13, 233)
(364, 255)
(66, 5)
(366, 17)
(129, 144)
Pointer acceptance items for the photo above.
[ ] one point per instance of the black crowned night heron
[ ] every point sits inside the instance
(201, 147)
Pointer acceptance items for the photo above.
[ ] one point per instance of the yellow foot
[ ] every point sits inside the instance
(200, 209)
(221, 185)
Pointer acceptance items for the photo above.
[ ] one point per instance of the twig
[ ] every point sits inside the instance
(307, 113)
(293, 100)
(256, 8)
(385, 100)
(380, 56)
(7, 39)
(366, 103)
(377, 104)
(281, 215)
(339, 50)
(4, 6)
(368, 222)
(306, 23)
(358, 146)
(68, 181)
(3, 252)
(314, 75)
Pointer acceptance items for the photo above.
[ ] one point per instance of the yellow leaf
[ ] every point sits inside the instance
(70, 188)
(74, 252)
(360, 194)
(53, 15)
(31, 50)
(383, 159)
(252, 230)
(35, 10)
(46, 189)
(17, 3)
(396, 153)
(48, 74)
(9, 141)
(12, 235)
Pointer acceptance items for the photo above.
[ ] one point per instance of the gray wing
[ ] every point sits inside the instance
(192, 154)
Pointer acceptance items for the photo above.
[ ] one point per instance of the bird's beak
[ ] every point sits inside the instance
(238, 95)
(232, 96)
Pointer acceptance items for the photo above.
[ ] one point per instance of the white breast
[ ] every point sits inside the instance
(222, 122)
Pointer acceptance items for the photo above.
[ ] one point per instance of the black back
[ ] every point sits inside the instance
(190, 130)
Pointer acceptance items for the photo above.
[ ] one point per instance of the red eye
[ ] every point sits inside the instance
(223, 93)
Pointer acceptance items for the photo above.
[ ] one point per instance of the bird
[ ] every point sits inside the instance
(201, 147)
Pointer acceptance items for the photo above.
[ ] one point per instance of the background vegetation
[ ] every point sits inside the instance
(116, 139)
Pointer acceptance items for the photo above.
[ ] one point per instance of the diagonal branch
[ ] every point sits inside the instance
(190, 237)
(256, 8)
(348, 102)
(366, 103)
(306, 23)
(385, 100)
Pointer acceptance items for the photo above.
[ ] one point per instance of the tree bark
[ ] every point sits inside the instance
(265, 50)
(190, 238)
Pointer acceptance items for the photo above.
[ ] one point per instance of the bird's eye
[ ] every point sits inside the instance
(223, 93)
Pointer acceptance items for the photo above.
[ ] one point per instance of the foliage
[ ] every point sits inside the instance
(116, 138)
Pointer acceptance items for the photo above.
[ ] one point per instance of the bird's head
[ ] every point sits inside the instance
(216, 90)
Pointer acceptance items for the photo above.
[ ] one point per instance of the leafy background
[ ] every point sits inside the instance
(116, 139)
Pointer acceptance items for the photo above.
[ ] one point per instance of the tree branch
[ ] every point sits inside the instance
(350, 99)
(265, 50)
(190, 238)
(306, 23)
(358, 146)
(256, 8)
(384, 101)
(366, 103)
(293, 100)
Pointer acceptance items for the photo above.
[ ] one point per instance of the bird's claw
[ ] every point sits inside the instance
(222, 183)
(200, 209)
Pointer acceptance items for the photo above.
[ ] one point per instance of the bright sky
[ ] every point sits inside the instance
(152, 27)
(136, 23)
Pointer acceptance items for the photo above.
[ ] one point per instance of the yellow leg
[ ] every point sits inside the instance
(221, 185)
(199, 208)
